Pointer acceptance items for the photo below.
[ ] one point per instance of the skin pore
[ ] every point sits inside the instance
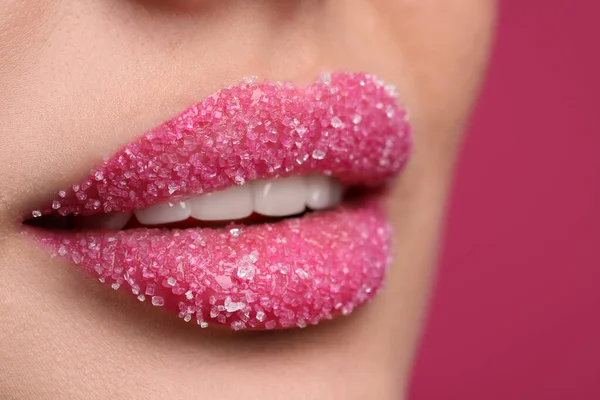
(79, 79)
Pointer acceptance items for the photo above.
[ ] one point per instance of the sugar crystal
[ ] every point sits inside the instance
(158, 301)
(245, 271)
(325, 77)
(337, 123)
(318, 154)
(237, 325)
(260, 316)
(302, 273)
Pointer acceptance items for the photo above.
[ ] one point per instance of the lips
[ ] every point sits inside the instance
(292, 272)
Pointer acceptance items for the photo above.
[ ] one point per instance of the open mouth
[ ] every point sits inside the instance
(244, 210)
(253, 202)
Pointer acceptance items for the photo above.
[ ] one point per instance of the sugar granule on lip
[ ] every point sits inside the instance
(294, 281)
(348, 124)
(292, 273)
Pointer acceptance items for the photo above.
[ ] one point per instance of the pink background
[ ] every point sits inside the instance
(516, 310)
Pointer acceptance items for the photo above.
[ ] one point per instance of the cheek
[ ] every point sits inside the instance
(447, 44)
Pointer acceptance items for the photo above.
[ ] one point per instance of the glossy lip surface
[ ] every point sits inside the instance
(290, 273)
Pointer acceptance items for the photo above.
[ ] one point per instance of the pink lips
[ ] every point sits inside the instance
(293, 272)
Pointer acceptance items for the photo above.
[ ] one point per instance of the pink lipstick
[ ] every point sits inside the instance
(292, 272)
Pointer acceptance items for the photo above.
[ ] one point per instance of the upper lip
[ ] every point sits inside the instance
(347, 125)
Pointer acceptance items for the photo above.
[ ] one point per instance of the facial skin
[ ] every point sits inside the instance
(79, 79)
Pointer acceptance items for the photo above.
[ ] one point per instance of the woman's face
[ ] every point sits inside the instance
(81, 79)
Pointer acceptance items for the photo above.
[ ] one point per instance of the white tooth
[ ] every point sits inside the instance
(234, 202)
(323, 192)
(164, 213)
(112, 221)
(280, 197)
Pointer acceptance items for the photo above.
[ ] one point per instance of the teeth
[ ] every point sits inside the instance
(233, 203)
(273, 197)
(323, 192)
(164, 213)
(280, 197)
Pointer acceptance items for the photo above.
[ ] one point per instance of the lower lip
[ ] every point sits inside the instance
(291, 273)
